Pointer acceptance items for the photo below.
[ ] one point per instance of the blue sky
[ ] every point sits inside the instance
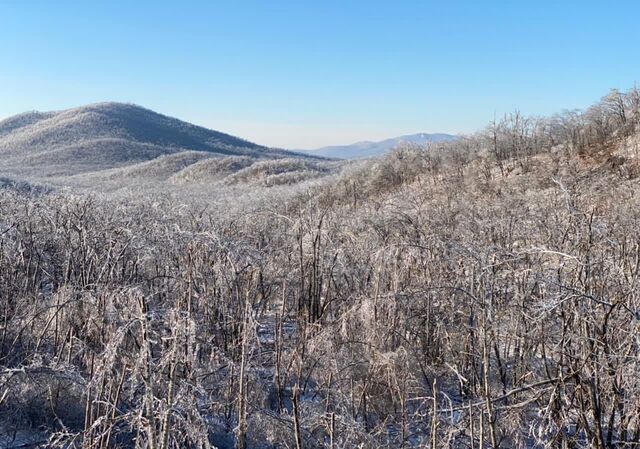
(303, 74)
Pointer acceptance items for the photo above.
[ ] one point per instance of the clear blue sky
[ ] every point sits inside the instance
(302, 74)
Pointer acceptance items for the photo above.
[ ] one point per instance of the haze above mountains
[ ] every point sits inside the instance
(365, 149)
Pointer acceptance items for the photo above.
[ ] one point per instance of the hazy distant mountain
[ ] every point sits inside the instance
(369, 149)
(106, 136)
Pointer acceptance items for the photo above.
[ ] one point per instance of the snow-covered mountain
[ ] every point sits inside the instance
(105, 136)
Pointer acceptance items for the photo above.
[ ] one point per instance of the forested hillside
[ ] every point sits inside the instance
(107, 136)
(479, 293)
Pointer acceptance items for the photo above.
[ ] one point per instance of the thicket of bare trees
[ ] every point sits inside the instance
(480, 294)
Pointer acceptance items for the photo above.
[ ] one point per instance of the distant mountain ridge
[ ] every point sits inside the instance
(108, 135)
(365, 149)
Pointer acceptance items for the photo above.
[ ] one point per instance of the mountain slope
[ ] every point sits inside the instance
(368, 149)
(107, 135)
(22, 120)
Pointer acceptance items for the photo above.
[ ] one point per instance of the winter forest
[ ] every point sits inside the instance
(482, 292)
